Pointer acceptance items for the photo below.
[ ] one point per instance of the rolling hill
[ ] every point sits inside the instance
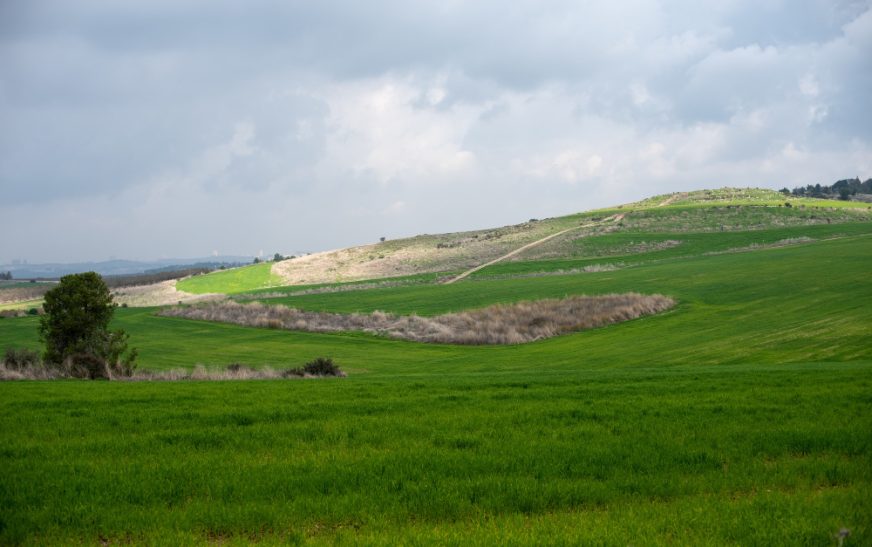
(740, 416)
(677, 221)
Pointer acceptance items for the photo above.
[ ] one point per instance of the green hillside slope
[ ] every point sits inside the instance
(235, 280)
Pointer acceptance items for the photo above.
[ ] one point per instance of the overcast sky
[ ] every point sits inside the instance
(155, 128)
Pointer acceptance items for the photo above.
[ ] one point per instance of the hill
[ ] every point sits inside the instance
(740, 416)
(573, 236)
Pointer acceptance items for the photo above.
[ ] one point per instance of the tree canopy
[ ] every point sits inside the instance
(75, 325)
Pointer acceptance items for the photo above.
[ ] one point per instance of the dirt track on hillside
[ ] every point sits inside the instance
(467, 273)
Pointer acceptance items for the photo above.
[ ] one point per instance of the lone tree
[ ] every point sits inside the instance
(75, 329)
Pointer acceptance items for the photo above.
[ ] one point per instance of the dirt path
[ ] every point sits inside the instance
(672, 199)
(467, 273)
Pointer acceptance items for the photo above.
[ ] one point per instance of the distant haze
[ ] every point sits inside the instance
(144, 129)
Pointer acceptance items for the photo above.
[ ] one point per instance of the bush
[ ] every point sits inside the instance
(322, 366)
(18, 359)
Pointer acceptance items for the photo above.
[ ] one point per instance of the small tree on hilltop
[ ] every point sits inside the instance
(75, 329)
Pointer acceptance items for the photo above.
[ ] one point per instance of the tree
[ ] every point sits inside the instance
(256, 260)
(75, 328)
(278, 257)
(844, 193)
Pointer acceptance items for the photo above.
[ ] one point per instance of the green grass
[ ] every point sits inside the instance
(236, 280)
(779, 305)
(749, 454)
(417, 279)
(629, 248)
(742, 416)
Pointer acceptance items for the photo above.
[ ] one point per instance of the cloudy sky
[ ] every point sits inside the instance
(154, 128)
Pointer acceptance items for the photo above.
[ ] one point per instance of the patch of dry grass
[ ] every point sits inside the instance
(158, 294)
(499, 324)
(36, 371)
(33, 291)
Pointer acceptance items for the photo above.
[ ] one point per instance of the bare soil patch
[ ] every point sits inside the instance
(499, 324)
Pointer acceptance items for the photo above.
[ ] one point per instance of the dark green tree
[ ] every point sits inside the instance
(75, 327)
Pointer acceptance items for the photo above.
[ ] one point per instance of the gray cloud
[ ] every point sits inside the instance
(178, 128)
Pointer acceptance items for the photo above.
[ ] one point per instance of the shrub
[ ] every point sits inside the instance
(18, 359)
(322, 366)
(33, 311)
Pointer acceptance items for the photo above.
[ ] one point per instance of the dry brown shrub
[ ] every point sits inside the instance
(199, 372)
(499, 324)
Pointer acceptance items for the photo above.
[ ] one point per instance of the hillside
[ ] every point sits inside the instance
(705, 211)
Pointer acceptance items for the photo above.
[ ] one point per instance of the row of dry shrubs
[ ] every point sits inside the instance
(499, 324)
(25, 364)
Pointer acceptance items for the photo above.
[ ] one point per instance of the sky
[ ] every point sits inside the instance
(167, 128)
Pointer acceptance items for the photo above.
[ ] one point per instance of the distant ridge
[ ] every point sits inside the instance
(118, 267)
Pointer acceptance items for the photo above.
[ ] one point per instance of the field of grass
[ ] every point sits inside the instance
(742, 416)
(235, 280)
(636, 247)
(749, 454)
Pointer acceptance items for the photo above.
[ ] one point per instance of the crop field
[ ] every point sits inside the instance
(235, 280)
(741, 416)
(692, 455)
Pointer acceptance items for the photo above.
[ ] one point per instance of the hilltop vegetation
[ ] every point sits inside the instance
(844, 189)
(740, 416)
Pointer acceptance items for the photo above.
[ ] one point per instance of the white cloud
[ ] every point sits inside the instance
(379, 127)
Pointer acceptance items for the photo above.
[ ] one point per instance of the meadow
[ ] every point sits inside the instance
(726, 454)
(741, 416)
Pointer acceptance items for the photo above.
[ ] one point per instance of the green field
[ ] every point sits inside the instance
(235, 280)
(742, 416)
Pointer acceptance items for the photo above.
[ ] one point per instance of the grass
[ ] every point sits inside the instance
(417, 279)
(25, 305)
(742, 416)
(635, 248)
(744, 196)
(748, 454)
(235, 280)
(778, 305)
